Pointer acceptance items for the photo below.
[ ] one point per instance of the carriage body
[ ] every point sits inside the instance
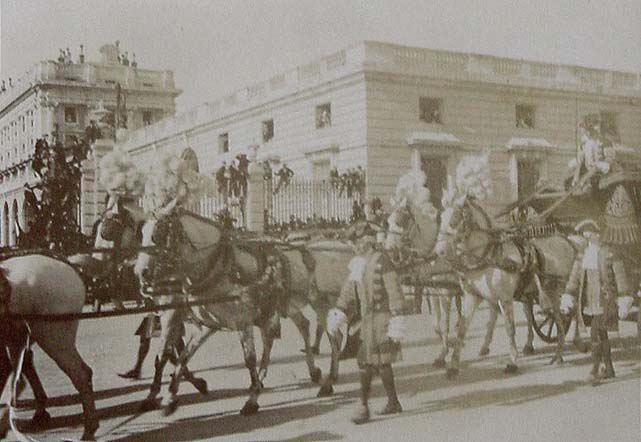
(613, 200)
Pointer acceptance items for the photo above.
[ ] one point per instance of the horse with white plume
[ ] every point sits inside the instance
(492, 264)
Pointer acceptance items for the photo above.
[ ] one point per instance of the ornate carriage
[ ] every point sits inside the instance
(612, 198)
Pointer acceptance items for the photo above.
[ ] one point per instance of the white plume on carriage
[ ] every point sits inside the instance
(411, 189)
(119, 175)
(472, 178)
(172, 178)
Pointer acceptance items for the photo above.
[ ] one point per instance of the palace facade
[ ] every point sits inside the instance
(385, 107)
(59, 96)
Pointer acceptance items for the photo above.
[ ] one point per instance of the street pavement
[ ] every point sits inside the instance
(539, 403)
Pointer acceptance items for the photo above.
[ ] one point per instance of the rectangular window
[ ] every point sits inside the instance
(524, 116)
(323, 115)
(70, 115)
(431, 110)
(223, 143)
(147, 118)
(268, 130)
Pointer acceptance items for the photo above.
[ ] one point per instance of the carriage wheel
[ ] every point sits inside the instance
(544, 324)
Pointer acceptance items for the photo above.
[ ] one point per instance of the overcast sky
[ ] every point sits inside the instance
(217, 46)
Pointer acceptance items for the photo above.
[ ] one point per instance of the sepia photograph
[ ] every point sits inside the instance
(305, 220)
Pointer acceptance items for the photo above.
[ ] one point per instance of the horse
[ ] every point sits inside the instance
(494, 265)
(207, 262)
(416, 230)
(40, 284)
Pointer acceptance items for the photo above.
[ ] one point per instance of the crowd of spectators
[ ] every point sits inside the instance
(350, 182)
(231, 179)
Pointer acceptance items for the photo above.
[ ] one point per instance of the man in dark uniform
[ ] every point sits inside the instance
(596, 280)
(374, 290)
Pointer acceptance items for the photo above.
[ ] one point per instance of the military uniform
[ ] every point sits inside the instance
(373, 290)
(377, 298)
(596, 280)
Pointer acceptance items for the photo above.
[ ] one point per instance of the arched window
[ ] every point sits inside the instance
(14, 226)
(5, 224)
(189, 156)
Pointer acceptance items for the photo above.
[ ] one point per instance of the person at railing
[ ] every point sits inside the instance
(81, 56)
(285, 175)
(267, 171)
(67, 57)
(234, 180)
(61, 56)
(134, 63)
(243, 169)
(334, 178)
(125, 59)
(221, 180)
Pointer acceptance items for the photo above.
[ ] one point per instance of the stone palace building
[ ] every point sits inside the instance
(61, 95)
(381, 106)
(386, 107)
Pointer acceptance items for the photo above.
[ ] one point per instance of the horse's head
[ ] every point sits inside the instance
(183, 241)
(413, 225)
(453, 225)
(118, 226)
(161, 233)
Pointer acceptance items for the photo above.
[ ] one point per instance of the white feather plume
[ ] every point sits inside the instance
(411, 188)
(119, 175)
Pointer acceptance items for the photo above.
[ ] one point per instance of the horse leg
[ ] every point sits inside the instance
(268, 342)
(249, 350)
(327, 389)
(471, 303)
(528, 348)
(41, 417)
(558, 356)
(489, 331)
(507, 306)
(441, 313)
(302, 324)
(58, 340)
(184, 353)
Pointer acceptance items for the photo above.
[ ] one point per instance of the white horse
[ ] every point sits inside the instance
(38, 284)
(494, 268)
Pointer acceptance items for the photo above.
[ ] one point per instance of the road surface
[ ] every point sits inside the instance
(540, 403)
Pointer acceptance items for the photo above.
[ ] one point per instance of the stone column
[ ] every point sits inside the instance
(255, 204)
(92, 196)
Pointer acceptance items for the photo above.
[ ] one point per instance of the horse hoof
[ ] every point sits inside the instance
(451, 373)
(325, 391)
(511, 369)
(131, 374)
(581, 346)
(249, 409)
(316, 375)
(148, 405)
(556, 360)
(528, 350)
(201, 385)
(171, 408)
(438, 363)
(4, 421)
(40, 419)
(484, 351)
(90, 431)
